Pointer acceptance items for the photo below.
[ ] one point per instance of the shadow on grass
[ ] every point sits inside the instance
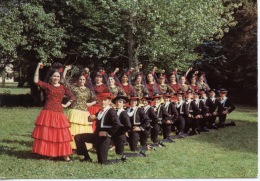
(18, 153)
(242, 137)
(21, 142)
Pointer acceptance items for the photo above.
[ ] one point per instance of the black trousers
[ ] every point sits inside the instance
(101, 144)
(155, 133)
(135, 136)
(222, 118)
(202, 122)
(166, 130)
(195, 123)
(212, 119)
(188, 122)
(119, 142)
(180, 123)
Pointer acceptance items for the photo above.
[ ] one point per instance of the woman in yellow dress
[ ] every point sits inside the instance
(78, 114)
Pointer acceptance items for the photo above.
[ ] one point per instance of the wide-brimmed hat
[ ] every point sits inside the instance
(118, 97)
(189, 91)
(179, 92)
(203, 91)
(197, 92)
(146, 97)
(222, 90)
(105, 95)
(167, 94)
(156, 95)
(134, 97)
(211, 90)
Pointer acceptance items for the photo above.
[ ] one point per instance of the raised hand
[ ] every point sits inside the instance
(68, 67)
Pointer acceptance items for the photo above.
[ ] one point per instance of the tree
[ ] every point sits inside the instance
(232, 61)
(10, 36)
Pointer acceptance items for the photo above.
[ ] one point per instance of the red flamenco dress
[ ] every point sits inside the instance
(152, 89)
(51, 133)
(95, 108)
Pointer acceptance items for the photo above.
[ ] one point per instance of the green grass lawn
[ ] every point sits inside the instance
(226, 153)
(11, 88)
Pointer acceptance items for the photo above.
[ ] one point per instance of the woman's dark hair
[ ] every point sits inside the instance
(169, 77)
(147, 79)
(56, 67)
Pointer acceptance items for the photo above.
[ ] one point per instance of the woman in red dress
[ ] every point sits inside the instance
(152, 86)
(173, 82)
(184, 83)
(126, 84)
(193, 84)
(99, 88)
(51, 133)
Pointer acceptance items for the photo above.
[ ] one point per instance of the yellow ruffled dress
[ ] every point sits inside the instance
(78, 114)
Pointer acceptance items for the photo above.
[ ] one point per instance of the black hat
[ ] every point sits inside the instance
(120, 97)
(189, 91)
(222, 90)
(214, 90)
(202, 91)
(134, 97)
(146, 97)
(179, 92)
(167, 94)
(197, 92)
(156, 95)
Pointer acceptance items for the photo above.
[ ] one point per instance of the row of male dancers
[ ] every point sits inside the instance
(190, 114)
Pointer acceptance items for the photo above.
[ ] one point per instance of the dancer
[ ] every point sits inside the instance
(126, 84)
(51, 133)
(120, 136)
(202, 83)
(107, 125)
(114, 84)
(225, 108)
(140, 86)
(78, 114)
(139, 123)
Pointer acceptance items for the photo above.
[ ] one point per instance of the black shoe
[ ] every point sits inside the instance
(191, 133)
(183, 135)
(160, 143)
(232, 123)
(142, 152)
(123, 158)
(221, 126)
(214, 127)
(85, 159)
(197, 131)
(204, 129)
(170, 140)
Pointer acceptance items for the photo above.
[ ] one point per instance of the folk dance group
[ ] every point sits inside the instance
(115, 113)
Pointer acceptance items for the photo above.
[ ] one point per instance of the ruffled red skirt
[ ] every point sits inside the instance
(94, 110)
(51, 134)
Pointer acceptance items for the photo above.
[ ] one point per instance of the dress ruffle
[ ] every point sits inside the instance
(52, 119)
(57, 135)
(51, 134)
(94, 109)
(51, 149)
(78, 117)
(79, 124)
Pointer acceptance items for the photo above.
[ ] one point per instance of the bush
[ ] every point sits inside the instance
(11, 100)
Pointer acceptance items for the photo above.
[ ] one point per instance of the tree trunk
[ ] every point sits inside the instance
(3, 78)
(132, 60)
